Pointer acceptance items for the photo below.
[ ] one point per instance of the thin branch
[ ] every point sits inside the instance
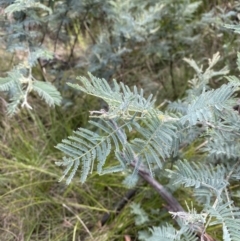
(59, 29)
(173, 204)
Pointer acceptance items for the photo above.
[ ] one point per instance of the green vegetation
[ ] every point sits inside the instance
(184, 137)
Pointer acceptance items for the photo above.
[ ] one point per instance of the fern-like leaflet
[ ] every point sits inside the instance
(159, 140)
(120, 99)
(85, 146)
(209, 104)
(197, 175)
(228, 216)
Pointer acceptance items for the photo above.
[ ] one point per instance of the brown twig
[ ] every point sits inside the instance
(173, 204)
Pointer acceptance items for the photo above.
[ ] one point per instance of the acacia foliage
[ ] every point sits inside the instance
(207, 117)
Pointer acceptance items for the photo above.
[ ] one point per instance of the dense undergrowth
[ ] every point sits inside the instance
(33, 204)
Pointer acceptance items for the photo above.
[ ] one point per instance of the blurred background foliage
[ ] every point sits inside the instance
(138, 42)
